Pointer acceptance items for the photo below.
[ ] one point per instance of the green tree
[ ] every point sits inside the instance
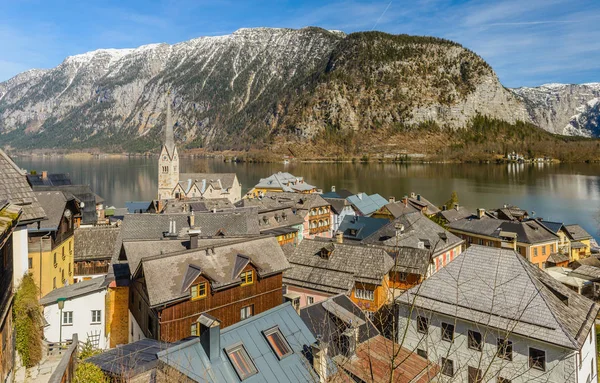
(453, 200)
(28, 322)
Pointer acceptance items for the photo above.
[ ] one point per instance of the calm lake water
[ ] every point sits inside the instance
(563, 192)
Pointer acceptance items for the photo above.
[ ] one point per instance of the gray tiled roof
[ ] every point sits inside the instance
(531, 231)
(577, 232)
(75, 290)
(164, 274)
(347, 264)
(337, 204)
(192, 361)
(284, 181)
(398, 208)
(591, 272)
(96, 242)
(300, 201)
(54, 204)
(455, 214)
(14, 188)
(411, 260)
(417, 228)
(423, 202)
(484, 226)
(278, 218)
(84, 194)
(227, 179)
(500, 289)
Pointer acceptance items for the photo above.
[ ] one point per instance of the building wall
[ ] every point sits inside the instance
(135, 332)
(173, 322)
(589, 359)
(81, 307)
(317, 296)
(117, 315)
(442, 259)
(167, 180)
(7, 347)
(20, 254)
(52, 273)
(380, 295)
(560, 362)
(543, 252)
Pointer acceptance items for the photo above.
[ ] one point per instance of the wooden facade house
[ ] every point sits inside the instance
(94, 247)
(9, 218)
(230, 280)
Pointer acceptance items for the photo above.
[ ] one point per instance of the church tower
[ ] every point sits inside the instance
(168, 163)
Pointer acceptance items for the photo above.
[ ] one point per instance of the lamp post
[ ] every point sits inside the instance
(61, 305)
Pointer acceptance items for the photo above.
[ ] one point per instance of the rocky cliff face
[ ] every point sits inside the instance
(244, 89)
(563, 108)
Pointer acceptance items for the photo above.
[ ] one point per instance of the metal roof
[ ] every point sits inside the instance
(367, 204)
(191, 360)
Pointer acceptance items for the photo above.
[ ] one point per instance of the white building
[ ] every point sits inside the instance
(172, 184)
(492, 316)
(83, 313)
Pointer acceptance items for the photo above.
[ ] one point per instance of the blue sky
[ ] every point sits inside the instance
(527, 42)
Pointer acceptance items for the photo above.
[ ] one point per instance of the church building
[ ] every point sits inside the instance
(175, 185)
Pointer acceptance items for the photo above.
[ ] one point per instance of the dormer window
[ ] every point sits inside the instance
(326, 252)
(277, 341)
(199, 290)
(247, 277)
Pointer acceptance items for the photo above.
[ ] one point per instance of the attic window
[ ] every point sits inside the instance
(325, 252)
(243, 365)
(278, 344)
(353, 232)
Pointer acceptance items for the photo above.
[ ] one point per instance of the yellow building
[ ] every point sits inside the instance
(51, 241)
(579, 242)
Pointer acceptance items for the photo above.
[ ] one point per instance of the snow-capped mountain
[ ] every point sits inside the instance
(564, 108)
(251, 87)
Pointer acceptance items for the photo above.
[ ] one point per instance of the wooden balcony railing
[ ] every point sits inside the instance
(318, 230)
(84, 268)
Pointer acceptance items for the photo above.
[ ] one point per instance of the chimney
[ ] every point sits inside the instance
(194, 239)
(418, 197)
(174, 227)
(456, 206)
(44, 174)
(405, 201)
(170, 226)
(412, 195)
(399, 229)
(480, 212)
(214, 210)
(294, 299)
(392, 199)
(333, 189)
(210, 336)
(444, 208)
(319, 354)
(350, 341)
(192, 219)
(339, 237)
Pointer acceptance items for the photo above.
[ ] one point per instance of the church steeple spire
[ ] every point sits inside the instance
(169, 140)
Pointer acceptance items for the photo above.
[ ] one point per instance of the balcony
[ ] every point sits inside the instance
(91, 268)
(318, 230)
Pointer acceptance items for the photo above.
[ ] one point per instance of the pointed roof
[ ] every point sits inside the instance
(500, 289)
(169, 139)
(15, 189)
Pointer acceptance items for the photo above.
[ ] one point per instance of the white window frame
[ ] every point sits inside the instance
(99, 312)
(68, 314)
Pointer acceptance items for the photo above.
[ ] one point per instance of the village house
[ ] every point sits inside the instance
(340, 208)
(312, 208)
(529, 238)
(51, 249)
(579, 242)
(281, 182)
(276, 217)
(340, 194)
(365, 204)
(511, 213)
(230, 280)
(83, 313)
(358, 228)
(416, 231)
(323, 268)
(584, 281)
(91, 204)
(94, 247)
(272, 347)
(357, 347)
(9, 219)
(395, 209)
(456, 213)
(17, 191)
(490, 315)
(421, 203)
(175, 185)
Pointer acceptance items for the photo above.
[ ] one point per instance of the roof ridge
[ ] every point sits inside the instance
(533, 279)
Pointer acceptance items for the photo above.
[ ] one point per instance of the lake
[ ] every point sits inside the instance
(569, 193)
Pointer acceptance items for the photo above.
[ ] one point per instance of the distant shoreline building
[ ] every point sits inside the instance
(173, 185)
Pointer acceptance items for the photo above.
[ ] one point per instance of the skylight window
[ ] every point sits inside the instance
(276, 340)
(243, 365)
